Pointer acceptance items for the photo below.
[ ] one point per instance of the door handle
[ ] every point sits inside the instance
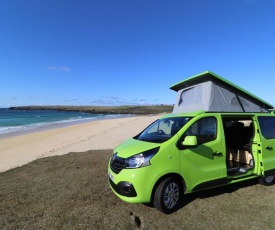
(217, 154)
(269, 147)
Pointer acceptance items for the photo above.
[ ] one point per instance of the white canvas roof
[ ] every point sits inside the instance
(212, 93)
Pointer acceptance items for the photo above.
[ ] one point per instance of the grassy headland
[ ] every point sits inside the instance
(104, 109)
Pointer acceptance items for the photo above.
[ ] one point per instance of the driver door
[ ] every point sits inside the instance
(203, 166)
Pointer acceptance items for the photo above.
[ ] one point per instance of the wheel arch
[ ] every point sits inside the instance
(175, 175)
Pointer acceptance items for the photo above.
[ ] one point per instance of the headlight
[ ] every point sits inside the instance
(141, 159)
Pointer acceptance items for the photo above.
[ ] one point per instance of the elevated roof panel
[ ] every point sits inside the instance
(210, 76)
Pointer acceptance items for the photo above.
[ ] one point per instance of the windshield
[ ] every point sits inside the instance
(163, 129)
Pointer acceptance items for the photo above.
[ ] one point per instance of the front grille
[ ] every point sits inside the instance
(117, 164)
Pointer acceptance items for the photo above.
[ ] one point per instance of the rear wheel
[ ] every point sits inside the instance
(269, 180)
(168, 195)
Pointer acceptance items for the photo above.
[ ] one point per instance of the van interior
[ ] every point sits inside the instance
(239, 134)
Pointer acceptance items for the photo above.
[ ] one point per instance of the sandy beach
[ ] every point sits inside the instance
(103, 134)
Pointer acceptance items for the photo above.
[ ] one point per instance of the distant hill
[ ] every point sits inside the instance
(154, 109)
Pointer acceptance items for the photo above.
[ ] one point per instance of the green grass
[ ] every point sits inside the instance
(72, 192)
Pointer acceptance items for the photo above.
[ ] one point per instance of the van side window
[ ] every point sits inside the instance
(204, 129)
(267, 125)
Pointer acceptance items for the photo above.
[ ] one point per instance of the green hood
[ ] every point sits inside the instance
(132, 147)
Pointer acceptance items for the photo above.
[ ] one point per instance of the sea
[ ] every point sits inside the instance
(17, 122)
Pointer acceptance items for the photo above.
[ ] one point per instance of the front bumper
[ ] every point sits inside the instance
(132, 185)
(123, 188)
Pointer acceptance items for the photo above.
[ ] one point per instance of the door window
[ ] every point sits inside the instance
(267, 125)
(204, 129)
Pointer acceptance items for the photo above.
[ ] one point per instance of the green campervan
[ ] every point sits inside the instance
(217, 134)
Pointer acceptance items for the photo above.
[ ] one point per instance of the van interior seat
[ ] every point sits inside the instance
(238, 137)
(249, 131)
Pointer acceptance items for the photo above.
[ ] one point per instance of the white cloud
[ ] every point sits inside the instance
(114, 98)
(71, 100)
(32, 97)
(108, 101)
(103, 102)
(59, 68)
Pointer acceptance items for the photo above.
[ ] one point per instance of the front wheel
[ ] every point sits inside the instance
(168, 195)
(269, 180)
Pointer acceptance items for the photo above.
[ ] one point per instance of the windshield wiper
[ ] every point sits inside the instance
(142, 139)
(159, 140)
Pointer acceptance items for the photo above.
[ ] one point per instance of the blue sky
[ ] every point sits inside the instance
(117, 52)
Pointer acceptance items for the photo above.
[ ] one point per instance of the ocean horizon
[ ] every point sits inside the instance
(16, 122)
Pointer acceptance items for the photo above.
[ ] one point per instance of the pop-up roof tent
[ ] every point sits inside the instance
(210, 92)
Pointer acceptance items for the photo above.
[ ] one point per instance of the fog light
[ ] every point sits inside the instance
(127, 190)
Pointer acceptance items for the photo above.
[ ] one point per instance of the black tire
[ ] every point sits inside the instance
(168, 195)
(267, 181)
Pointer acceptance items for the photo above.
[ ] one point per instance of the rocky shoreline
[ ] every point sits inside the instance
(142, 110)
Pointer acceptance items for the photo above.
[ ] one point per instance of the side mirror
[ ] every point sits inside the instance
(190, 141)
